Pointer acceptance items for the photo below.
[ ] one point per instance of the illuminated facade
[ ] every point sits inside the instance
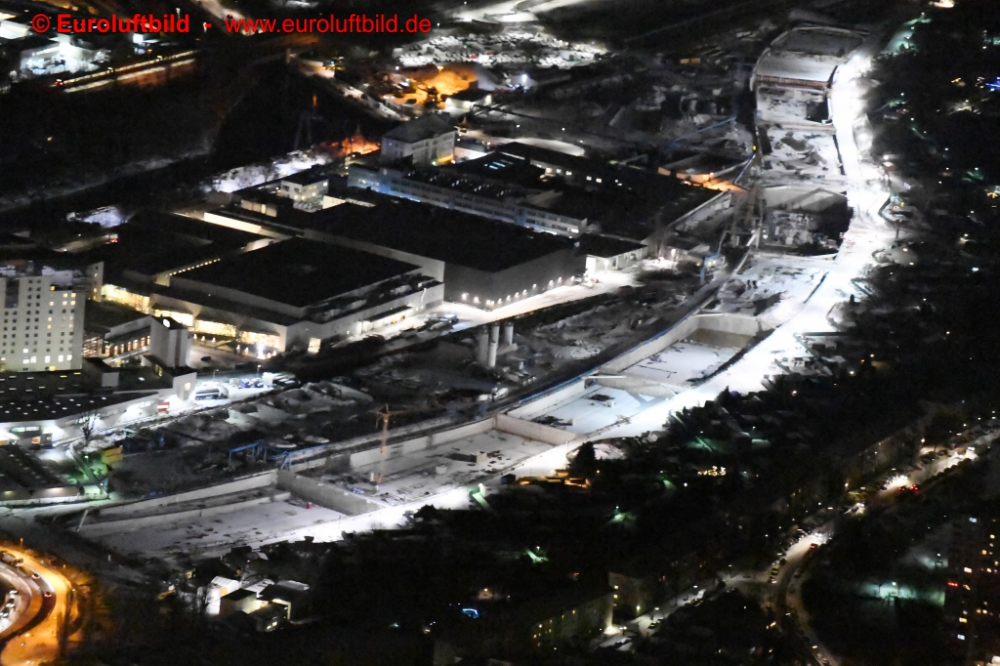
(42, 321)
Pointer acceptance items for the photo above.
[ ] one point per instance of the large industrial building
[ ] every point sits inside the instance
(543, 190)
(266, 291)
(303, 292)
(463, 192)
(482, 262)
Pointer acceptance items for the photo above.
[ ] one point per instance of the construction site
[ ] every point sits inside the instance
(454, 406)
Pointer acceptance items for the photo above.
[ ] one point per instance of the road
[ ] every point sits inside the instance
(788, 598)
(42, 628)
(27, 600)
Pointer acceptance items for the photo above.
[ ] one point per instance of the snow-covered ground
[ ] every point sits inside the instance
(681, 363)
(430, 471)
(408, 483)
(596, 409)
(774, 287)
(867, 233)
(256, 525)
(777, 105)
(508, 47)
(802, 156)
(258, 174)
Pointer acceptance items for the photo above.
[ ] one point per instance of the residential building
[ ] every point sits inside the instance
(972, 594)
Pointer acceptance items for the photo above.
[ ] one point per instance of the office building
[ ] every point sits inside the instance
(42, 318)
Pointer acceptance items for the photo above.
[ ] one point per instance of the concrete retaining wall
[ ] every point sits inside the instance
(397, 449)
(713, 206)
(724, 323)
(549, 400)
(317, 456)
(531, 430)
(732, 323)
(678, 332)
(262, 480)
(96, 529)
(325, 495)
(467, 430)
(369, 457)
(337, 499)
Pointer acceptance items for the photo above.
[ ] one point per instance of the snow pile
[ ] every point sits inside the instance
(107, 217)
(258, 174)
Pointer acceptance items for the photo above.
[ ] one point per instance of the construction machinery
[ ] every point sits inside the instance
(382, 417)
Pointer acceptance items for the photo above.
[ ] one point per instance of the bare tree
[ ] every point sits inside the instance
(88, 426)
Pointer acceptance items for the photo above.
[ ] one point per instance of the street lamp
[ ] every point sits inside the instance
(258, 369)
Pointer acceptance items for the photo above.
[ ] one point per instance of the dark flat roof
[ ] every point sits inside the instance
(33, 41)
(424, 127)
(187, 229)
(497, 166)
(624, 202)
(19, 469)
(639, 181)
(471, 95)
(153, 242)
(625, 213)
(299, 272)
(599, 245)
(101, 317)
(437, 233)
(309, 176)
(539, 154)
(52, 397)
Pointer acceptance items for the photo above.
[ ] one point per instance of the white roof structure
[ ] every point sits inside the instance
(790, 69)
(806, 56)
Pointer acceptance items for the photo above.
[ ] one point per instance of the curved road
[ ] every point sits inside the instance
(37, 634)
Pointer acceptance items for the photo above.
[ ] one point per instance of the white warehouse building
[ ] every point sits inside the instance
(429, 139)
